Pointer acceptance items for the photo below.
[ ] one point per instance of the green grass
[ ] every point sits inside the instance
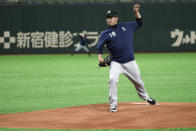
(38, 82)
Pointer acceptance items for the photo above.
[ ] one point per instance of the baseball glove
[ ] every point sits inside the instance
(106, 61)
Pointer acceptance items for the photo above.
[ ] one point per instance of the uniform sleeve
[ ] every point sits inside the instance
(139, 21)
(135, 24)
(101, 43)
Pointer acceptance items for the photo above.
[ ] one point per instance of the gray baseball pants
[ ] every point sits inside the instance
(132, 72)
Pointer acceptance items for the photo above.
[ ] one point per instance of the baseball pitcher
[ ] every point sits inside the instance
(118, 38)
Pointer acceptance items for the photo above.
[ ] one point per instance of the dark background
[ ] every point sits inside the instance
(159, 19)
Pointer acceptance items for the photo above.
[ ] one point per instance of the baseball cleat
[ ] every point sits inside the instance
(151, 101)
(113, 108)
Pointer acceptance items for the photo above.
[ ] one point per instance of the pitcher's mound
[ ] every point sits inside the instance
(130, 115)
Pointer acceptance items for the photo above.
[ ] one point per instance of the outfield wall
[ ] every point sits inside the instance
(167, 27)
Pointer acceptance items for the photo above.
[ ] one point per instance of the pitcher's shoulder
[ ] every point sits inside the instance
(106, 31)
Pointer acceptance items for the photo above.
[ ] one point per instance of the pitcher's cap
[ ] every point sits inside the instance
(111, 13)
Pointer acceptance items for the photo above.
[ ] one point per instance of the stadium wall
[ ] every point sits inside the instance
(53, 28)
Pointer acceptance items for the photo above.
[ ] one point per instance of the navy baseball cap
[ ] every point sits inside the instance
(111, 13)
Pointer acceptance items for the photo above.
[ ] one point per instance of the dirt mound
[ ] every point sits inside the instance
(130, 115)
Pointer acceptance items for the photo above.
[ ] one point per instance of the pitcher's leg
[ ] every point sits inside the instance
(113, 80)
(132, 72)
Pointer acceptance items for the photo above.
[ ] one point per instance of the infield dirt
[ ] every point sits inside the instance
(130, 115)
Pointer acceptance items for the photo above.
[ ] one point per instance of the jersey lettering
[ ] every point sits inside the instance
(112, 34)
(124, 29)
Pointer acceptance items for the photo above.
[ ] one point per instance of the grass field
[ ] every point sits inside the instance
(38, 82)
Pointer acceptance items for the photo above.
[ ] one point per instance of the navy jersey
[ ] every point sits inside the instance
(119, 40)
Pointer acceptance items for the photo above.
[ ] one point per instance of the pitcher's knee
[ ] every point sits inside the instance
(113, 81)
